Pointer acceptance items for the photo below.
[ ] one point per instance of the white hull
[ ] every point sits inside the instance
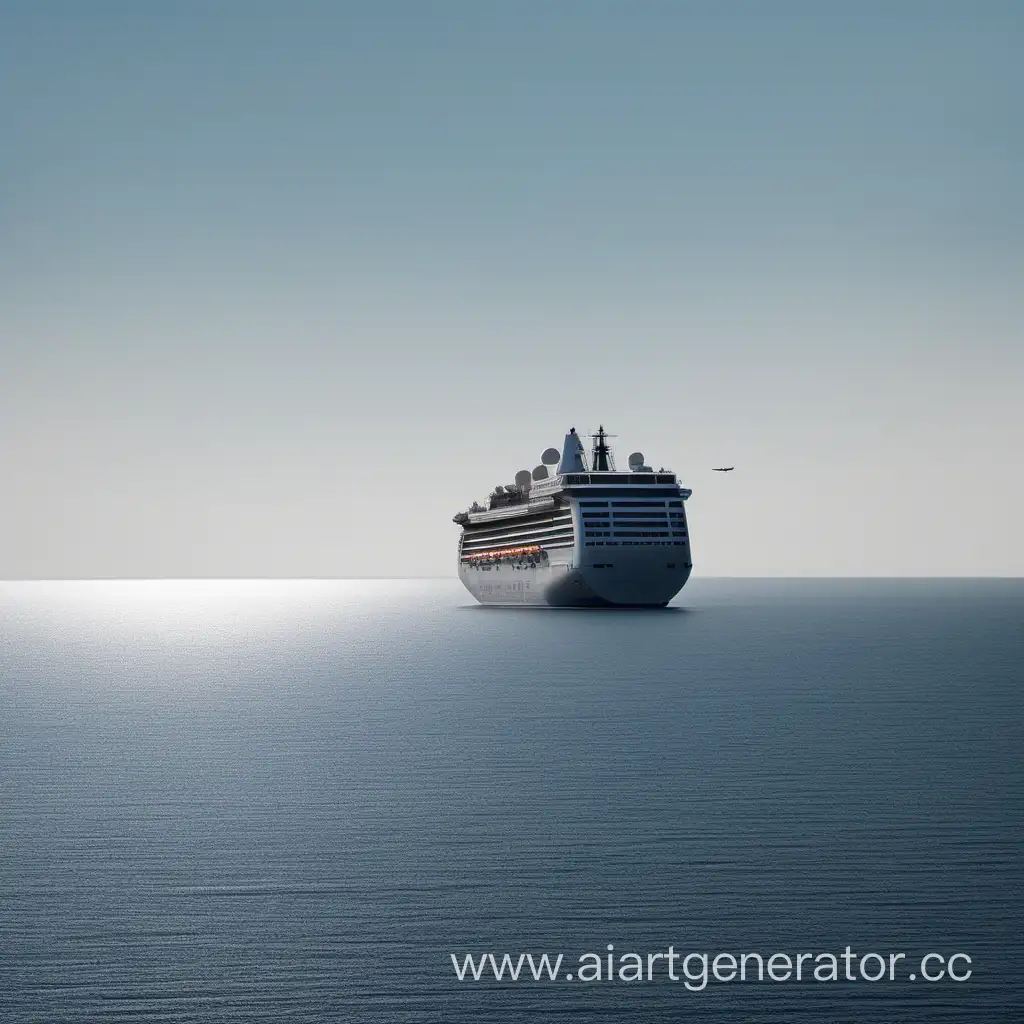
(635, 577)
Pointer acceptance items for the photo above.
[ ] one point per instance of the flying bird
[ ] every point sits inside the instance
(722, 469)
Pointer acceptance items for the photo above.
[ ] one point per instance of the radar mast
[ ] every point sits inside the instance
(602, 454)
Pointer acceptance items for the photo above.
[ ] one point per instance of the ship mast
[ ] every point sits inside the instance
(602, 455)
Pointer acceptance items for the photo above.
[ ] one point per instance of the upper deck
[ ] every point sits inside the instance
(548, 486)
(632, 479)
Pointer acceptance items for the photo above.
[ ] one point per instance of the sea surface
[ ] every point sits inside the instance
(293, 801)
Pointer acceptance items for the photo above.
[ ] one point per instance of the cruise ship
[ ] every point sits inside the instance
(578, 533)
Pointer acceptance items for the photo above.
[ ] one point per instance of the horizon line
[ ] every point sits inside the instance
(338, 579)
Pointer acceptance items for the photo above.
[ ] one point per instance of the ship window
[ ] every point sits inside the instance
(593, 504)
(675, 504)
(666, 479)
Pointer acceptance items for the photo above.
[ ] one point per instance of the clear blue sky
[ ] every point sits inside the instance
(284, 286)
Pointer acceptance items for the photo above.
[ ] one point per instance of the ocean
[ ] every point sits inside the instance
(296, 800)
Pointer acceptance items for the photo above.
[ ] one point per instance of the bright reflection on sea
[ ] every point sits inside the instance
(181, 634)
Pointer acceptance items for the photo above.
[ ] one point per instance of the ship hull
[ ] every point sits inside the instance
(641, 578)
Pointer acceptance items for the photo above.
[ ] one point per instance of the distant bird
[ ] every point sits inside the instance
(722, 469)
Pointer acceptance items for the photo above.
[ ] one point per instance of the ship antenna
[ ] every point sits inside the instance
(602, 459)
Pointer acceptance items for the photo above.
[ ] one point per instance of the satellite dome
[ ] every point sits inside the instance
(636, 459)
(550, 456)
(523, 479)
(540, 473)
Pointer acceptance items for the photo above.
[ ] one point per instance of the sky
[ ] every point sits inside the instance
(284, 286)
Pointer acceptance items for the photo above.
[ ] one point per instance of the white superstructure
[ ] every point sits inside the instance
(570, 534)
